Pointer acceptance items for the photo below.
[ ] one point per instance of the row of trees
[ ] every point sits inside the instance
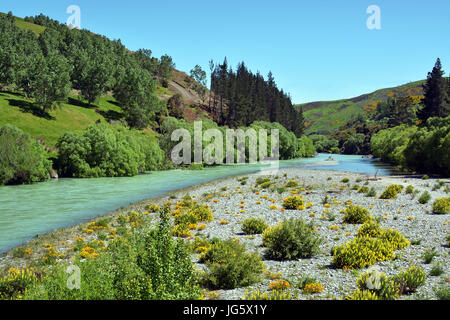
(47, 67)
(240, 98)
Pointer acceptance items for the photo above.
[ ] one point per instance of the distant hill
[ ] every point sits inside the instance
(327, 116)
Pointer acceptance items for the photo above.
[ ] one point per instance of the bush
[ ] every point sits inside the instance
(370, 229)
(424, 197)
(356, 214)
(230, 266)
(148, 264)
(409, 189)
(409, 280)
(378, 283)
(371, 193)
(345, 180)
(363, 295)
(291, 184)
(291, 239)
(103, 150)
(293, 202)
(362, 252)
(15, 282)
(443, 293)
(254, 226)
(441, 205)
(22, 159)
(391, 191)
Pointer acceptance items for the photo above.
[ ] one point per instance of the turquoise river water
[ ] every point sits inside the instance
(29, 210)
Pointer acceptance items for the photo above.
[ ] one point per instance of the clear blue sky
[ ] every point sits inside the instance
(317, 50)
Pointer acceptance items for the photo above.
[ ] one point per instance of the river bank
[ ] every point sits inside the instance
(231, 202)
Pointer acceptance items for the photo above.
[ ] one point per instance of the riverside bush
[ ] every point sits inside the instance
(291, 239)
(14, 283)
(356, 214)
(362, 295)
(293, 202)
(441, 205)
(254, 226)
(22, 159)
(149, 264)
(102, 150)
(391, 191)
(230, 265)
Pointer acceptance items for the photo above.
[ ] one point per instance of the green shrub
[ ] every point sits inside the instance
(363, 189)
(409, 189)
(429, 255)
(371, 193)
(436, 270)
(230, 265)
(443, 293)
(102, 150)
(370, 229)
(409, 280)
(391, 191)
(293, 202)
(291, 239)
(424, 197)
(378, 283)
(22, 159)
(254, 226)
(345, 180)
(149, 264)
(291, 184)
(441, 205)
(395, 238)
(261, 180)
(356, 214)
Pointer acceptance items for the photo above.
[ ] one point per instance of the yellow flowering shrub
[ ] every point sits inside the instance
(293, 202)
(14, 283)
(271, 295)
(385, 288)
(363, 295)
(356, 214)
(152, 207)
(312, 288)
(279, 285)
(88, 253)
(441, 205)
(362, 252)
(391, 191)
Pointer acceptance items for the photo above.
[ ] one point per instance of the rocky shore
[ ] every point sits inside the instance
(234, 199)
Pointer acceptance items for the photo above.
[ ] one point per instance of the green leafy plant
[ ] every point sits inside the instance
(291, 239)
(391, 191)
(424, 197)
(441, 205)
(356, 214)
(254, 226)
(410, 279)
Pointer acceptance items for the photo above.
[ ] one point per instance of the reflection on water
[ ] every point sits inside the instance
(28, 210)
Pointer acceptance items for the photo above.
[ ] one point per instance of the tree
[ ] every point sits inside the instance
(166, 66)
(50, 81)
(95, 77)
(435, 103)
(199, 75)
(22, 159)
(135, 93)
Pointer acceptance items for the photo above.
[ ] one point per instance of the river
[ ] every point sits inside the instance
(29, 210)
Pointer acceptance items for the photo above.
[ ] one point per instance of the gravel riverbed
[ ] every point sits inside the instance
(232, 202)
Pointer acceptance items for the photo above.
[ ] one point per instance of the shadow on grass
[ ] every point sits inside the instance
(110, 114)
(28, 107)
(80, 103)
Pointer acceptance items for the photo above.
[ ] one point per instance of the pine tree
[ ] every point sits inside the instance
(435, 103)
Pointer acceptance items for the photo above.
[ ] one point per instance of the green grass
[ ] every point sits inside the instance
(21, 23)
(18, 111)
(328, 116)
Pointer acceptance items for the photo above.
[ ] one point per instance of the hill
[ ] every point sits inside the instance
(328, 116)
(74, 115)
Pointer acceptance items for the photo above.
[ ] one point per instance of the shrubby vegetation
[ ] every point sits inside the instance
(143, 265)
(102, 150)
(22, 159)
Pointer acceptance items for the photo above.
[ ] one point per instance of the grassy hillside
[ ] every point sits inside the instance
(71, 116)
(327, 116)
(21, 23)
